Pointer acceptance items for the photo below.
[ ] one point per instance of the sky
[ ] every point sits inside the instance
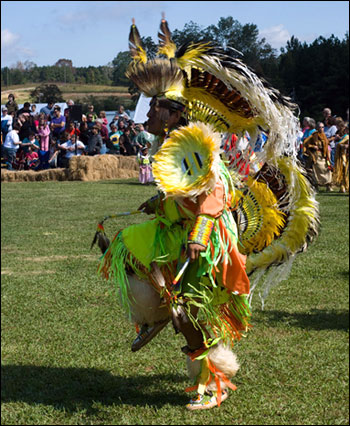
(94, 32)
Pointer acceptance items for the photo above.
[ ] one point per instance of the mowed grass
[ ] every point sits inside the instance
(66, 355)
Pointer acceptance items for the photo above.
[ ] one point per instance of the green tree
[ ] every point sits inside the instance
(47, 93)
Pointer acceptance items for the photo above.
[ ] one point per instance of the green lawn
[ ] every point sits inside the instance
(66, 355)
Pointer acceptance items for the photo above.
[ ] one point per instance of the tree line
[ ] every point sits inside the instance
(314, 75)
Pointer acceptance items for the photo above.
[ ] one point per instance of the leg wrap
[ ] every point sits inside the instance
(213, 372)
(145, 302)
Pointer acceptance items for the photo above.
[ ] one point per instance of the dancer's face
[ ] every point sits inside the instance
(160, 117)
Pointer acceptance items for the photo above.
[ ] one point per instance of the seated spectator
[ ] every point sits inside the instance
(11, 146)
(102, 116)
(72, 147)
(72, 130)
(104, 134)
(53, 156)
(92, 112)
(113, 143)
(11, 104)
(58, 122)
(95, 142)
(6, 122)
(31, 159)
(125, 144)
(48, 110)
(30, 141)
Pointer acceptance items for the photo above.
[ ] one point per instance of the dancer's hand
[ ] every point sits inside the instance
(194, 250)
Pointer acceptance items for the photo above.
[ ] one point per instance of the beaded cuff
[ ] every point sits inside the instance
(201, 231)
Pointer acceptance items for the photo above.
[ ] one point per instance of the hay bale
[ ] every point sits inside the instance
(84, 168)
(31, 176)
(102, 167)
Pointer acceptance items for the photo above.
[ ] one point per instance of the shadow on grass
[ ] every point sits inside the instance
(317, 319)
(76, 389)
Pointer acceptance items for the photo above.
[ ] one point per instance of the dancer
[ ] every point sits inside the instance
(190, 263)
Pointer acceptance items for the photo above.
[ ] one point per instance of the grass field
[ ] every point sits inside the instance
(66, 355)
(74, 91)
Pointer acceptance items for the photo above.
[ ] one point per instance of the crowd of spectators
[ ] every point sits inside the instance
(324, 150)
(49, 138)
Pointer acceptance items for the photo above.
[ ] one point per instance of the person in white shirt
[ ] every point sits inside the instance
(70, 147)
(6, 122)
(11, 145)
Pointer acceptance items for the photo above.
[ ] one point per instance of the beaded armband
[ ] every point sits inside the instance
(201, 231)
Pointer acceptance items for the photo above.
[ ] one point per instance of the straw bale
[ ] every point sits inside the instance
(31, 176)
(83, 168)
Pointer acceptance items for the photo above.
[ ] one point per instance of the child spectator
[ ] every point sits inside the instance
(31, 159)
(145, 175)
(30, 141)
(126, 147)
(113, 144)
(102, 116)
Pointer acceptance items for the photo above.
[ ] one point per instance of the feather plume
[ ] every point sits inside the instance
(137, 51)
(166, 45)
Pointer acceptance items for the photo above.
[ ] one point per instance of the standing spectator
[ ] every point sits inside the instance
(102, 116)
(43, 131)
(58, 122)
(11, 146)
(122, 114)
(11, 104)
(70, 128)
(92, 112)
(125, 145)
(330, 130)
(84, 132)
(25, 109)
(90, 121)
(95, 142)
(341, 162)
(309, 127)
(142, 137)
(326, 113)
(26, 121)
(317, 158)
(33, 110)
(66, 111)
(6, 122)
(143, 158)
(48, 110)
